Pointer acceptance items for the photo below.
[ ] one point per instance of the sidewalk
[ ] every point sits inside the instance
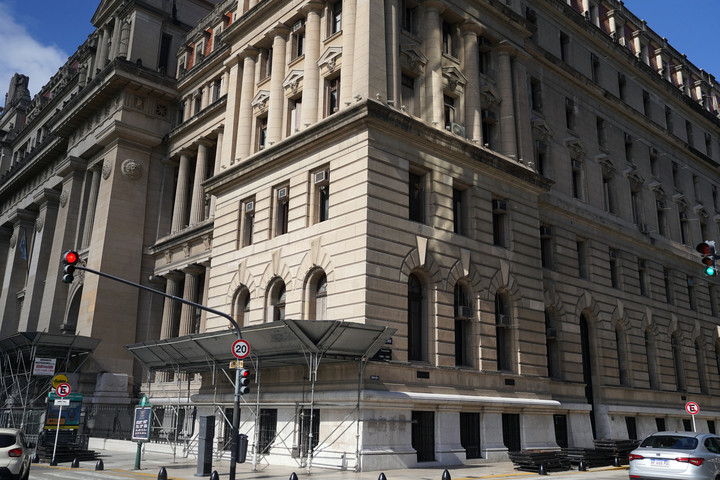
(119, 457)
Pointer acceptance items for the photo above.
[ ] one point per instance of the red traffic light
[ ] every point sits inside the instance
(244, 373)
(70, 257)
(706, 248)
(244, 381)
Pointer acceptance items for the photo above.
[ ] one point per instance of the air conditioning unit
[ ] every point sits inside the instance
(457, 129)
(249, 207)
(499, 206)
(502, 320)
(282, 193)
(321, 177)
(545, 231)
(551, 333)
(464, 311)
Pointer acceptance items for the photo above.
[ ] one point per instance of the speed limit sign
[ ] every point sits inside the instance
(240, 348)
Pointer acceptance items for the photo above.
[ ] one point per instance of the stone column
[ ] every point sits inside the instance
(392, 39)
(347, 88)
(473, 125)
(197, 207)
(245, 116)
(100, 50)
(41, 259)
(124, 39)
(277, 94)
(226, 79)
(508, 136)
(231, 85)
(206, 95)
(179, 208)
(103, 48)
(522, 106)
(311, 79)
(94, 175)
(187, 312)
(16, 270)
(115, 45)
(170, 314)
(433, 70)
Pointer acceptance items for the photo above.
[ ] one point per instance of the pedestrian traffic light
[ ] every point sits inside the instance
(707, 249)
(244, 381)
(70, 258)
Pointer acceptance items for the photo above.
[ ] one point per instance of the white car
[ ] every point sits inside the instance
(15, 456)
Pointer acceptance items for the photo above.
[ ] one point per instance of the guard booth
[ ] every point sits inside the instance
(290, 353)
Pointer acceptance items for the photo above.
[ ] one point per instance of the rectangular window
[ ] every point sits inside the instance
(248, 221)
(460, 221)
(577, 179)
(561, 430)
(570, 114)
(265, 58)
(536, 95)
(712, 301)
(600, 129)
(540, 156)
(614, 274)
(297, 41)
(595, 68)
(294, 116)
(622, 86)
(668, 119)
(416, 193)
(668, 286)
(546, 246)
(282, 209)
(470, 434)
(409, 16)
(332, 96)
(450, 44)
(261, 133)
(708, 145)
(336, 17)
(564, 47)
(628, 148)
(689, 133)
(608, 194)
(449, 111)
(308, 431)
(675, 172)
(643, 277)
(164, 56)
(422, 435)
(582, 258)
(267, 429)
(646, 103)
(654, 161)
(691, 293)
(407, 91)
(500, 223)
(320, 202)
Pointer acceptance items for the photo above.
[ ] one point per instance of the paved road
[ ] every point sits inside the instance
(185, 472)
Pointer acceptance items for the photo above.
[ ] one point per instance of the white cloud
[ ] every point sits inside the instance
(23, 54)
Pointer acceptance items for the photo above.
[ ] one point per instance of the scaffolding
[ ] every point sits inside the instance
(23, 393)
(277, 344)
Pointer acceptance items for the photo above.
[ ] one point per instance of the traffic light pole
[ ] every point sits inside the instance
(236, 403)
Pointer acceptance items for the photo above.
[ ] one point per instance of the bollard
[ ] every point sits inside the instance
(162, 474)
(446, 475)
(293, 476)
(543, 470)
(53, 463)
(582, 467)
(382, 476)
(75, 463)
(215, 475)
(100, 465)
(36, 458)
(616, 462)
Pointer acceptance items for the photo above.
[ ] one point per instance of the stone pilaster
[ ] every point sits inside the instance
(94, 175)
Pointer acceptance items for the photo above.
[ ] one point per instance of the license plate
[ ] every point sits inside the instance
(659, 462)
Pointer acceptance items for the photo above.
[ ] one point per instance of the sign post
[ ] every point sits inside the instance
(693, 409)
(141, 427)
(62, 390)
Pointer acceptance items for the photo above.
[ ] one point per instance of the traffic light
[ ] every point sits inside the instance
(244, 381)
(707, 249)
(70, 258)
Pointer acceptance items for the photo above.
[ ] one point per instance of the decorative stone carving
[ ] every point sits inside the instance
(106, 168)
(13, 240)
(39, 224)
(133, 169)
(63, 198)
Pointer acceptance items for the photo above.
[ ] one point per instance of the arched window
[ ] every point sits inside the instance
(650, 354)
(700, 361)
(551, 344)
(316, 296)
(463, 326)
(276, 301)
(677, 362)
(417, 320)
(241, 305)
(503, 332)
(621, 347)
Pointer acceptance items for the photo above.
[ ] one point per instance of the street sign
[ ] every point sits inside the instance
(44, 366)
(142, 423)
(58, 379)
(240, 348)
(692, 408)
(63, 390)
(62, 402)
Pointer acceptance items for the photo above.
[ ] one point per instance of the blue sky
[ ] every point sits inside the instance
(39, 35)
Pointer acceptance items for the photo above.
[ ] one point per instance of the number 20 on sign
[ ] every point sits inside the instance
(240, 348)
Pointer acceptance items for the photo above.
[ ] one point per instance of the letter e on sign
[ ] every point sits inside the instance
(240, 348)
(63, 390)
(692, 408)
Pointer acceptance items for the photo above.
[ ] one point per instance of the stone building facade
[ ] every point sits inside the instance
(516, 188)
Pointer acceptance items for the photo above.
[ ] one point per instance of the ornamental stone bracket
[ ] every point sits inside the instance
(541, 130)
(293, 81)
(260, 101)
(328, 61)
(607, 166)
(577, 149)
(636, 180)
(413, 59)
(681, 201)
(453, 80)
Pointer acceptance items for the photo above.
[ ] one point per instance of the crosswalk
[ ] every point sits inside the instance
(44, 472)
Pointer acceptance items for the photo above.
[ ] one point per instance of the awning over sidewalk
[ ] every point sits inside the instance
(286, 342)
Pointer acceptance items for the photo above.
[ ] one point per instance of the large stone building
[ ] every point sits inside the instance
(507, 194)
